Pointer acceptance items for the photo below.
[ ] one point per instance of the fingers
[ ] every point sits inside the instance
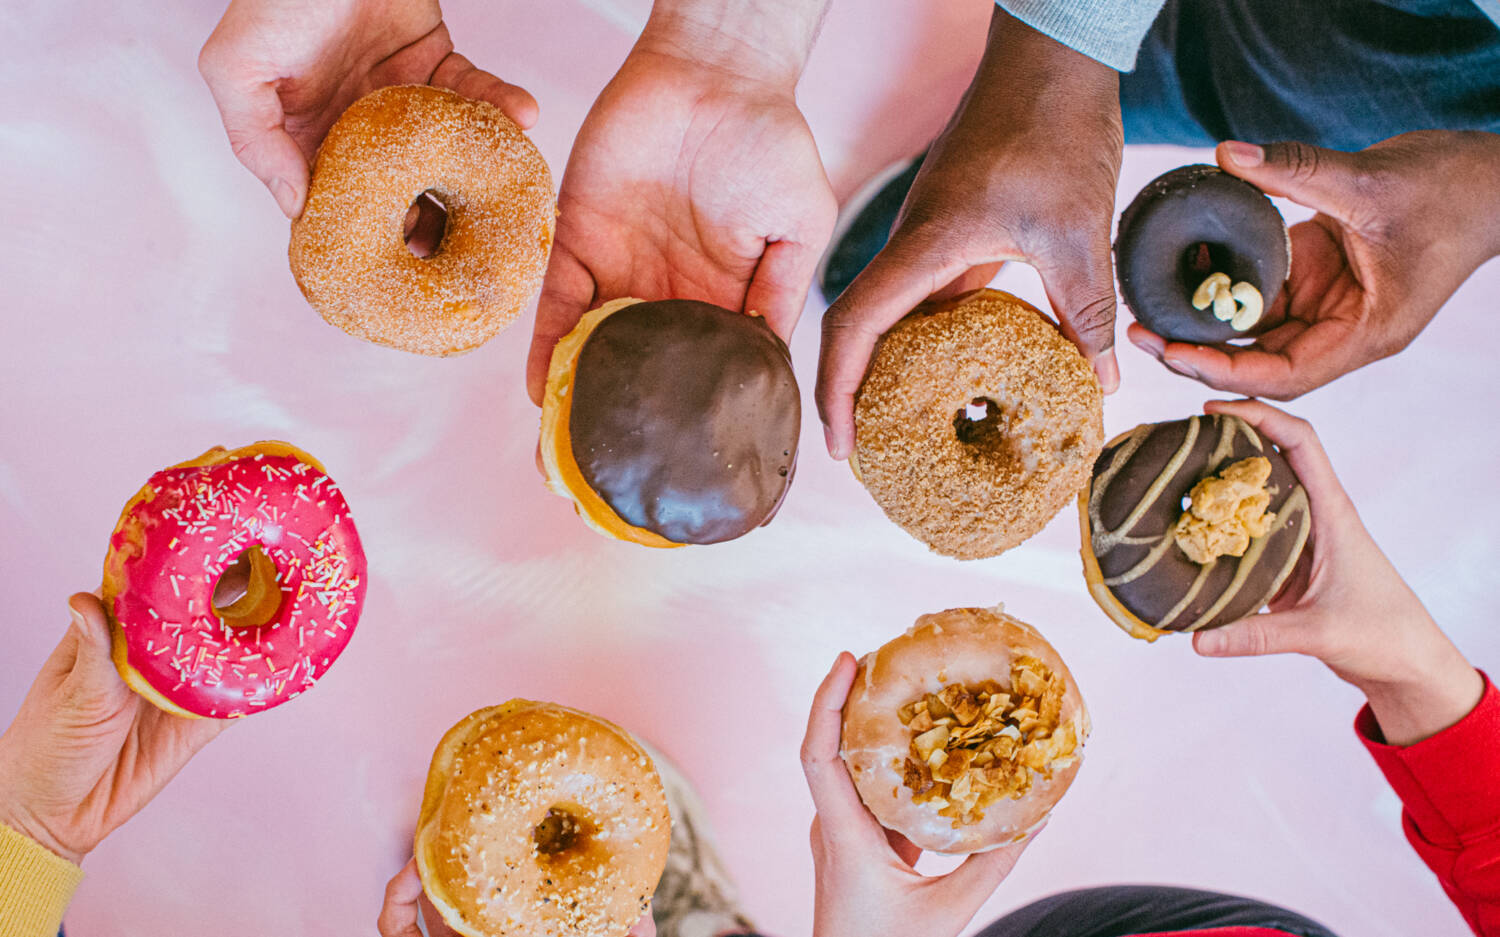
(778, 290)
(645, 927)
(457, 73)
(253, 119)
(1325, 180)
(889, 288)
(1255, 635)
(833, 793)
(398, 913)
(567, 293)
(904, 848)
(1081, 288)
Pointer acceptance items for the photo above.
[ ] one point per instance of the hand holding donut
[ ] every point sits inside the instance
(1400, 226)
(1025, 170)
(85, 753)
(282, 71)
(1347, 606)
(866, 884)
(694, 175)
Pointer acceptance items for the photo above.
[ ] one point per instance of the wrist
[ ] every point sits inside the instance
(766, 43)
(1424, 698)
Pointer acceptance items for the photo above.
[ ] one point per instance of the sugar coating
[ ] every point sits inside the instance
(965, 499)
(347, 249)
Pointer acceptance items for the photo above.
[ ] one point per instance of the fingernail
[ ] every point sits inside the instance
(1181, 367)
(286, 198)
(1149, 344)
(1244, 154)
(1211, 643)
(834, 449)
(1108, 370)
(77, 617)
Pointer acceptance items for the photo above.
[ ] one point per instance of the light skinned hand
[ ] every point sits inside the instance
(1346, 605)
(1026, 170)
(404, 900)
(866, 883)
(282, 71)
(1399, 227)
(694, 176)
(85, 752)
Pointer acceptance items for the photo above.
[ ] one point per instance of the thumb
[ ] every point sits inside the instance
(96, 641)
(1081, 288)
(1321, 179)
(1253, 636)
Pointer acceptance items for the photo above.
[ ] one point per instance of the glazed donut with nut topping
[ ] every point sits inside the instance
(977, 423)
(385, 153)
(233, 581)
(540, 819)
(963, 733)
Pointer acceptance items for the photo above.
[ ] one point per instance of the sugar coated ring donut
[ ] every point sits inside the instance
(233, 581)
(1135, 571)
(540, 819)
(1032, 725)
(1185, 225)
(347, 250)
(977, 423)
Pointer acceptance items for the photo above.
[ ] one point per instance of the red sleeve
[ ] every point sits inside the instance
(1449, 785)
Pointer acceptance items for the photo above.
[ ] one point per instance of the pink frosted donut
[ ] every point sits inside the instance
(233, 581)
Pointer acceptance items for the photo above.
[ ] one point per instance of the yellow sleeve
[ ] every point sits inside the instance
(36, 885)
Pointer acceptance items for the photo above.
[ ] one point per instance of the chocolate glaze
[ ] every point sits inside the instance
(684, 419)
(1151, 469)
(1159, 269)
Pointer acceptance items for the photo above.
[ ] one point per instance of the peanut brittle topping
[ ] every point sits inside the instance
(1227, 510)
(974, 744)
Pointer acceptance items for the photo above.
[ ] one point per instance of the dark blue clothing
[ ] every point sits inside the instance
(1119, 910)
(1336, 73)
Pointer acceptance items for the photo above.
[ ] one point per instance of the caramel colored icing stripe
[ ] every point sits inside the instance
(1107, 540)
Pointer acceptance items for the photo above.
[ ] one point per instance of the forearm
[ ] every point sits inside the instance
(768, 40)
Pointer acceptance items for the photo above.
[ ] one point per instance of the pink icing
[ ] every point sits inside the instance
(196, 525)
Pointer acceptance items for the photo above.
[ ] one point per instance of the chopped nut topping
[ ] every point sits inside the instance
(972, 745)
(1226, 511)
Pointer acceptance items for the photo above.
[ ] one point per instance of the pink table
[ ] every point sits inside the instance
(151, 315)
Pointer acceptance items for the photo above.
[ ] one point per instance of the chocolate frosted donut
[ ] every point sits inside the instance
(672, 422)
(1136, 569)
(1186, 225)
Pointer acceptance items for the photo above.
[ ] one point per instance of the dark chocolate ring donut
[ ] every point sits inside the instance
(684, 419)
(1185, 225)
(1136, 572)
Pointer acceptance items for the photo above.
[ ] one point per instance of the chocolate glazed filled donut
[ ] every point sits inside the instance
(1146, 484)
(1200, 255)
(671, 422)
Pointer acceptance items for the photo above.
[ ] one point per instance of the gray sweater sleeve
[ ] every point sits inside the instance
(1108, 31)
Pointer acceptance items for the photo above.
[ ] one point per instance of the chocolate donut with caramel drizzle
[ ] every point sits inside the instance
(1142, 486)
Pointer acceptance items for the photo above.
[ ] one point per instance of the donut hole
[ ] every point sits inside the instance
(247, 593)
(425, 225)
(978, 423)
(562, 832)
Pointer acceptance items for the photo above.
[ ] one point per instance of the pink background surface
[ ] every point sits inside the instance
(150, 315)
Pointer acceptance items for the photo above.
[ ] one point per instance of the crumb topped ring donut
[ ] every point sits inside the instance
(388, 150)
(540, 819)
(233, 581)
(1190, 524)
(963, 733)
(977, 423)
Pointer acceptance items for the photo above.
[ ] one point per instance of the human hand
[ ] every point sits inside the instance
(694, 176)
(282, 71)
(404, 899)
(1399, 227)
(85, 752)
(866, 883)
(1346, 605)
(1025, 170)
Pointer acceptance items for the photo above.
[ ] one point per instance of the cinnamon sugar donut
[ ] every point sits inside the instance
(977, 423)
(383, 154)
(541, 819)
(964, 732)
